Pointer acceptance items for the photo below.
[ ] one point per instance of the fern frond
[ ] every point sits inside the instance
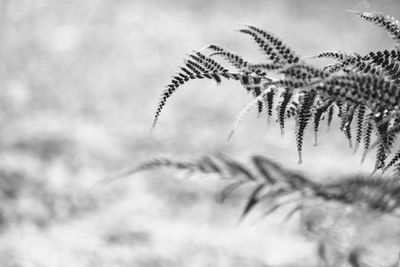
(180, 79)
(346, 119)
(396, 172)
(269, 102)
(264, 45)
(235, 169)
(289, 83)
(392, 70)
(303, 72)
(251, 83)
(287, 55)
(331, 110)
(244, 111)
(271, 182)
(231, 57)
(269, 170)
(332, 68)
(374, 194)
(272, 45)
(390, 24)
(350, 60)
(261, 68)
(376, 92)
(360, 119)
(321, 109)
(368, 127)
(364, 67)
(356, 83)
(286, 97)
(195, 67)
(338, 55)
(305, 113)
(391, 132)
(208, 63)
(252, 201)
(393, 161)
(384, 146)
(292, 109)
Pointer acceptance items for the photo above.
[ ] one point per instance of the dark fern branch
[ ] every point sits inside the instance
(365, 88)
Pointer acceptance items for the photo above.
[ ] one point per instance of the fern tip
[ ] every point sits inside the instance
(202, 49)
(364, 156)
(351, 144)
(356, 146)
(310, 57)
(385, 169)
(354, 11)
(300, 161)
(373, 172)
(153, 125)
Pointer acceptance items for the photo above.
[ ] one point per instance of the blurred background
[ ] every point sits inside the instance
(80, 81)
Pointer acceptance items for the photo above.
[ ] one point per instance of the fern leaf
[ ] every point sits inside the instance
(393, 161)
(265, 46)
(266, 167)
(368, 127)
(209, 165)
(289, 83)
(346, 119)
(348, 61)
(269, 102)
(208, 63)
(228, 190)
(272, 46)
(195, 67)
(365, 67)
(303, 72)
(396, 172)
(261, 68)
(318, 115)
(153, 164)
(180, 79)
(390, 24)
(252, 201)
(385, 144)
(331, 110)
(236, 169)
(303, 118)
(243, 112)
(251, 83)
(287, 95)
(376, 92)
(338, 55)
(164, 96)
(332, 68)
(292, 109)
(392, 70)
(231, 57)
(360, 118)
(287, 55)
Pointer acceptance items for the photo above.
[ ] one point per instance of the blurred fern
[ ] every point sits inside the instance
(271, 183)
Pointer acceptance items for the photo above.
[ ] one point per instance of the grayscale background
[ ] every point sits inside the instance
(79, 84)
